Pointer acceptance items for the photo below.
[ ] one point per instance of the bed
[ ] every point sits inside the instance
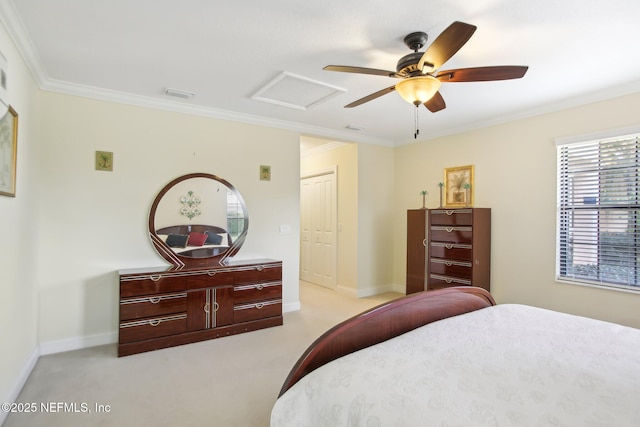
(452, 357)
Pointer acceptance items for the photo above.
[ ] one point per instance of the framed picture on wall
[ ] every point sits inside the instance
(8, 152)
(458, 184)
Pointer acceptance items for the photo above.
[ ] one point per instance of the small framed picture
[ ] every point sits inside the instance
(458, 184)
(104, 161)
(8, 152)
(265, 173)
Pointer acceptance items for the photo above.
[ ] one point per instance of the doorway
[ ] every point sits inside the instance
(318, 234)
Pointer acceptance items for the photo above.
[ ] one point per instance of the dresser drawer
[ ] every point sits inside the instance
(152, 285)
(153, 328)
(261, 310)
(452, 234)
(137, 308)
(450, 268)
(443, 281)
(209, 279)
(257, 292)
(451, 217)
(258, 274)
(457, 251)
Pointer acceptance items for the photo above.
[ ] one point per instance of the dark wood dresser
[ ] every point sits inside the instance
(448, 247)
(165, 307)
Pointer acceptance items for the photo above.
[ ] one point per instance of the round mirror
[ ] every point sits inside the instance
(198, 220)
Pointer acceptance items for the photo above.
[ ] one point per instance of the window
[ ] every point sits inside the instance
(599, 212)
(235, 215)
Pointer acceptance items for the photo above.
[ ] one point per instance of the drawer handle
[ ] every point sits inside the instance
(260, 267)
(216, 306)
(448, 263)
(211, 273)
(260, 287)
(448, 212)
(155, 278)
(206, 308)
(154, 300)
(449, 229)
(448, 280)
(449, 246)
(154, 322)
(424, 242)
(259, 305)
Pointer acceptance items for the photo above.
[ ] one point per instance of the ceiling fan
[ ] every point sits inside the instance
(419, 71)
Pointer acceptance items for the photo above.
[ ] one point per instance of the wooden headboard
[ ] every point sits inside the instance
(387, 321)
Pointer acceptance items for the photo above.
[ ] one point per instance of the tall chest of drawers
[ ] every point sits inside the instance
(165, 308)
(458, 248)
(448, 247)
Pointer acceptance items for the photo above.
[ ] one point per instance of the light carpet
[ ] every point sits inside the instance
(231, 381)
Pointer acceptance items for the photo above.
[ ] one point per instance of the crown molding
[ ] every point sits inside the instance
(198, 110)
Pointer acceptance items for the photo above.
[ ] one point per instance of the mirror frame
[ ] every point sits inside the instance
(181, 262)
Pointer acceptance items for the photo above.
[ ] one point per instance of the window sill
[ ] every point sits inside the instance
(618, 288)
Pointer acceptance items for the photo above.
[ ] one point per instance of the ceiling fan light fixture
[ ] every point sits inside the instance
(418, 90)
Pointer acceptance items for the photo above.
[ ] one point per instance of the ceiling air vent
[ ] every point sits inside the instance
(179, 93)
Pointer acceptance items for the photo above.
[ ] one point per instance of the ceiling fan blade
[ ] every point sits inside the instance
(446, 45)
(482, 74)
(371, 97)
(436, 103)
(361, 70)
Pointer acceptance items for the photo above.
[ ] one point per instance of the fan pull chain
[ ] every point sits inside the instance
(415, 125)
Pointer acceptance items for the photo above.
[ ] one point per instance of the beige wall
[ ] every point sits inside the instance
(375, 220)
(20, 230)
(515, 175)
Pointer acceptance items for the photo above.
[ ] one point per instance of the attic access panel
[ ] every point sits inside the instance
(297, 92)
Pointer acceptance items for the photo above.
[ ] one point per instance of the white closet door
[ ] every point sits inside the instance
(318, 230)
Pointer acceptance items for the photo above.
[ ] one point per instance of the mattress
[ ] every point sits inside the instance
(507, 365)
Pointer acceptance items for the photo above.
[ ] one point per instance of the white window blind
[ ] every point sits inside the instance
(598, 212)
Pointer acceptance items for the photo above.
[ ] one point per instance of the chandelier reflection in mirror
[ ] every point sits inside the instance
(190, 205)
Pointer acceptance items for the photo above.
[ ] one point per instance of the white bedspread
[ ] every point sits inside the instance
(508, 365)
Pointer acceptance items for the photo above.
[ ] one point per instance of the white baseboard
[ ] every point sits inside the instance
(401, 289)
(77, 343)
(291, 306)
(368, 292)
(20, 381)
(350, 292)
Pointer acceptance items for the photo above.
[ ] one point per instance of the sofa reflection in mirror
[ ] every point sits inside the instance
(197, 220)
(196, 241)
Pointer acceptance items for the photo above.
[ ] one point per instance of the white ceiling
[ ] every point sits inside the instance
(130, 51)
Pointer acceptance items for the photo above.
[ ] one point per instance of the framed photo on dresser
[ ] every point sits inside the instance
(458, 183)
